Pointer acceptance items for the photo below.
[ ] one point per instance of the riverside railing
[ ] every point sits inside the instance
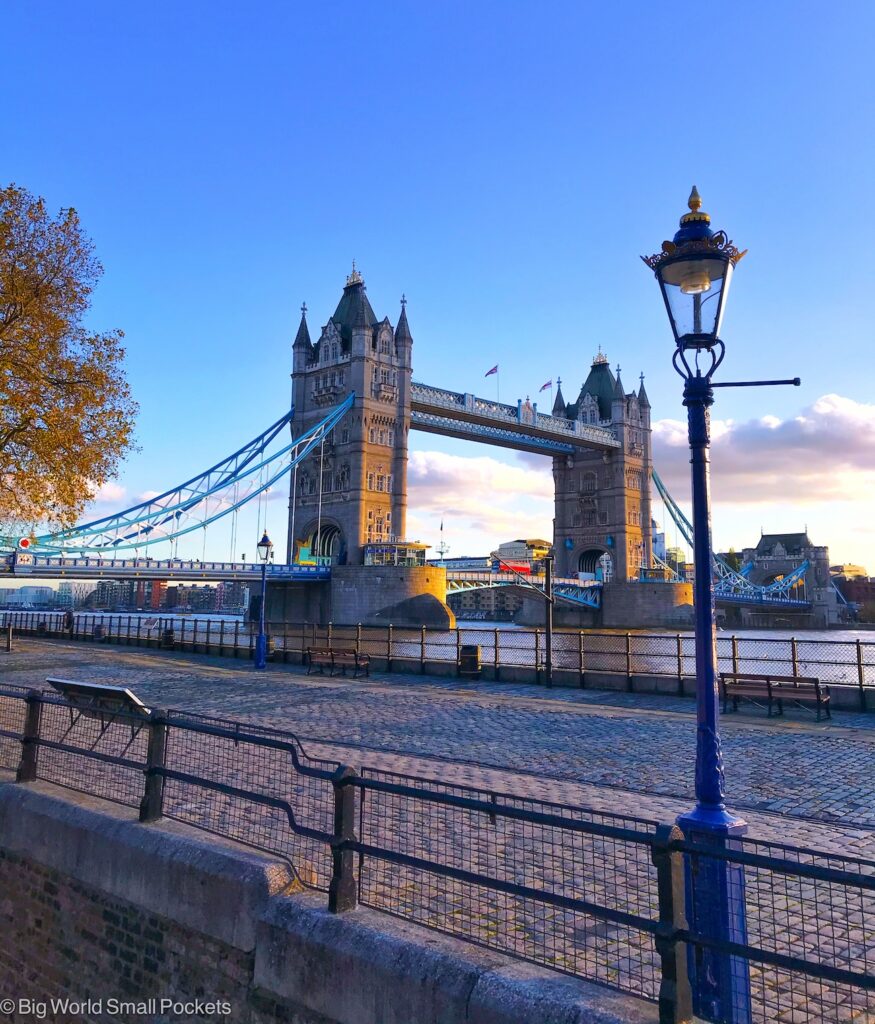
(592, 894)
(641, 660)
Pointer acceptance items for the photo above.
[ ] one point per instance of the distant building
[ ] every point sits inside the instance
(64, 596)
(232, 596)
(779, 554)
(850, 572)
(149, 594)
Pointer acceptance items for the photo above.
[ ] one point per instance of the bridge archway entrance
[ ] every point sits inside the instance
(323, 545)
(598, 563)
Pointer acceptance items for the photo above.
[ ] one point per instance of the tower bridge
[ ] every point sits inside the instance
(354, 403)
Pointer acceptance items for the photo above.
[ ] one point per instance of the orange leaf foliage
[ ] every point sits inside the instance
(66, 414)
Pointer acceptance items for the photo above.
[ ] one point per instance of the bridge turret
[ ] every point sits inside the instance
(354, 491)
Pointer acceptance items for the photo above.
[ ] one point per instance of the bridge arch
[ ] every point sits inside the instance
(322, 543)
(597, 561)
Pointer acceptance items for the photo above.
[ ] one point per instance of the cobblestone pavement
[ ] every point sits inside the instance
(799, 782)
(634, 755)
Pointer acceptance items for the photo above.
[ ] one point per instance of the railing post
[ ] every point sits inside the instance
(537, 657)
(9, 639)
(794, 658)
(152, 804)
(734, 654)
(496, 658)
(30, 738)
(329, 633)
(861, 673)
(209, 635)
(304, 644)
(129, 630)
(675, 996)
(680, 657)
(422, 651)
(236, 636)
(342, 890)
(458, 652)
(629, 686)
(221, 638)
(581, 663)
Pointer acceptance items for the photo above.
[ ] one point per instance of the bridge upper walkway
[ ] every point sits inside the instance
(454, 414)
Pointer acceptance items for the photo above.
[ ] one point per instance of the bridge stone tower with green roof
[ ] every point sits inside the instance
(603, 508)
(363, 468)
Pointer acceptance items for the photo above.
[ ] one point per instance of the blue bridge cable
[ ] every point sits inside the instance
(732, 585)
(162, 515)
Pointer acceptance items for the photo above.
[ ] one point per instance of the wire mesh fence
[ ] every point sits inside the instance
(577, 890)
(536, 849)
(578, 656)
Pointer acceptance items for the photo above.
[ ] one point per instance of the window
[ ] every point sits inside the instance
(588, 482)
(370, 481)
(372, 435)
(603, 518)
(390, 439)
(575, 519)
(380, 481)
(589, 518)
(344, 436)
(382, 437)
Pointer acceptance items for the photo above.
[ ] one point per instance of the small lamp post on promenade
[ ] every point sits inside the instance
(264, 548)
(693, 271)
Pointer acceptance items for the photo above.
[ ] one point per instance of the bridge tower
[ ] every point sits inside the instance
(603, 508)
(353, 491)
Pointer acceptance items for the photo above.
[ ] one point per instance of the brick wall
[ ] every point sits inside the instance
(63, 939)
(100, 909)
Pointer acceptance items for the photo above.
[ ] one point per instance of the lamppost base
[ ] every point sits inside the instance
(261, 651)
(715, 906)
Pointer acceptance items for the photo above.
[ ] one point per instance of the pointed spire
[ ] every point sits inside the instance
(559, 404)
(402, 331)
(302, 338)
(643, 400)
(618, 387)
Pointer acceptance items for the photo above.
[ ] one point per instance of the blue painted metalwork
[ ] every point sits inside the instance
(264, 547)
(446, 425)
(95, 566)
(569, 590)
(715, 888)
(200, 501)
(731, 586)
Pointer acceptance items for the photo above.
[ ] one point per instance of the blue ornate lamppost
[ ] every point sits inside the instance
(264, 548)
(694, 271)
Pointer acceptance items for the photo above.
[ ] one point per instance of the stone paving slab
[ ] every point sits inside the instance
(561, 744)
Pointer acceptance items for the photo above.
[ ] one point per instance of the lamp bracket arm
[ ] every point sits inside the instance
(794, 381)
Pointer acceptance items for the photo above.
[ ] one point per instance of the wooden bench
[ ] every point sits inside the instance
(774, 690)
(318, 657)
(350, 659)
(322, 657)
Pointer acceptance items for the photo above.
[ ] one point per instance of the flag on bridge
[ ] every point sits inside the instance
(544, 387)
(490, 372)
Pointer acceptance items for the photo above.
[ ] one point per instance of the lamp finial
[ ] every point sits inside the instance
(695, 200)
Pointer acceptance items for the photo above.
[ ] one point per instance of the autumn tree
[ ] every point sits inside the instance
(66, 414)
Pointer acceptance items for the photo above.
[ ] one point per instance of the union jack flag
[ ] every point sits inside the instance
(490, 372)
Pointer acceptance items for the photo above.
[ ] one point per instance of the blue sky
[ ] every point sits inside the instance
(504, 165)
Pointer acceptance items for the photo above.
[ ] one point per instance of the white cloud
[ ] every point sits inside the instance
(481, 500)
(109, 492)
(826, 453)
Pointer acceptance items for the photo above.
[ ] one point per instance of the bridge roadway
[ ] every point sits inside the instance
(95, 567)
(452, 414)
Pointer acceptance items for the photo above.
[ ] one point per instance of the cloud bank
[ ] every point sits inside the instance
(826, 453)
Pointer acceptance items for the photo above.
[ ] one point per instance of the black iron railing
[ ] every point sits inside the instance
(577, 656)
(596, 895)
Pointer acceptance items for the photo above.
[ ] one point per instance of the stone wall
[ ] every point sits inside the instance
(97, 908)
(639, 605)
(401, 595)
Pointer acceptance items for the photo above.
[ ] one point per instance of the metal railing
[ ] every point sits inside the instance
(595, 895)
(583, 658)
